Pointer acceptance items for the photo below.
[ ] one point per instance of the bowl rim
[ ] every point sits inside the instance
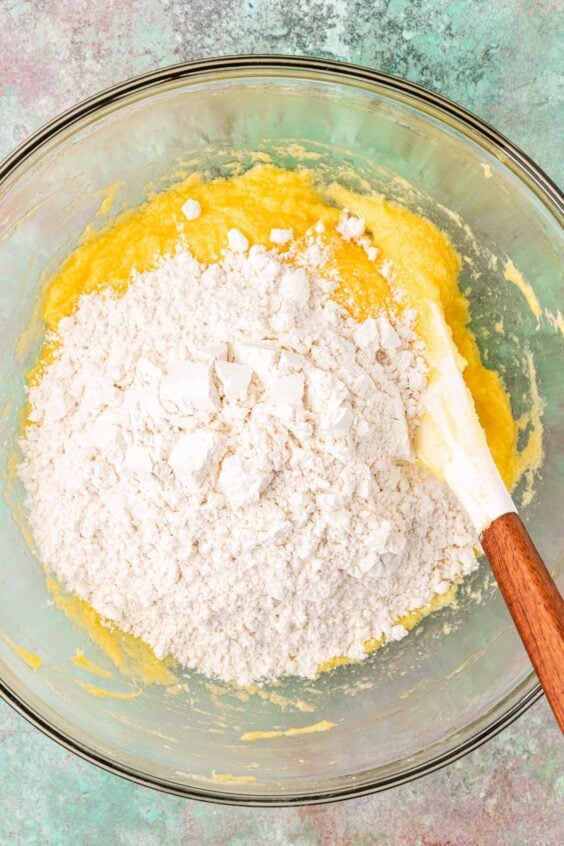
(545, 190)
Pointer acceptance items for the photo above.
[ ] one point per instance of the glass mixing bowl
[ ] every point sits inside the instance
(462, 674)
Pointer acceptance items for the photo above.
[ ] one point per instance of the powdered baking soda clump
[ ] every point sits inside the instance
(221, 464)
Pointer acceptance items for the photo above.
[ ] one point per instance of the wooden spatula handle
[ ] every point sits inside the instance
(533, 601)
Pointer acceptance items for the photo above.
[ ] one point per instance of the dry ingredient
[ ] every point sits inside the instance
(221, 463)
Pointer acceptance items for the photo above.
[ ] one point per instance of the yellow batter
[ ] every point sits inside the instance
(265, 197)
(324, 725)
(30, 658)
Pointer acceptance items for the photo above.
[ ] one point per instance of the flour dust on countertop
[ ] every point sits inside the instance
(220, 461)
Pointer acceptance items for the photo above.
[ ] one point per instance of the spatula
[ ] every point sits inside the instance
(452, 444)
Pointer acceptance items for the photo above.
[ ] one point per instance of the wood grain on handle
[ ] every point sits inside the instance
(533, 601)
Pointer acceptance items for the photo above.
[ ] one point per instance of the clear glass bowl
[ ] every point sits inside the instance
(462, 675)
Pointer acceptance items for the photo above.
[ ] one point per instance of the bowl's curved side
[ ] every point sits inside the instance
(497, 724)
(265, 63)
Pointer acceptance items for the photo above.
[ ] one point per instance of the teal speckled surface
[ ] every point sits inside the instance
(502, 61)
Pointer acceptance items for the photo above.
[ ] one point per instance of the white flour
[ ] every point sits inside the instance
(222, 465)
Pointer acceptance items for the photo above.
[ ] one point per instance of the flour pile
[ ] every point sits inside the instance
(221, 464)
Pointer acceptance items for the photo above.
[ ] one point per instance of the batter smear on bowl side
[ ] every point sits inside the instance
(219, 450)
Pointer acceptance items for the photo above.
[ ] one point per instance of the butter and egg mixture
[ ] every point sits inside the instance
(219, 451)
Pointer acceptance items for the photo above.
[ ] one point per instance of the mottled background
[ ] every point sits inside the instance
(499, 59)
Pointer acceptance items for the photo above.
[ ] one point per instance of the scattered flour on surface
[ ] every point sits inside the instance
(221, 464)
